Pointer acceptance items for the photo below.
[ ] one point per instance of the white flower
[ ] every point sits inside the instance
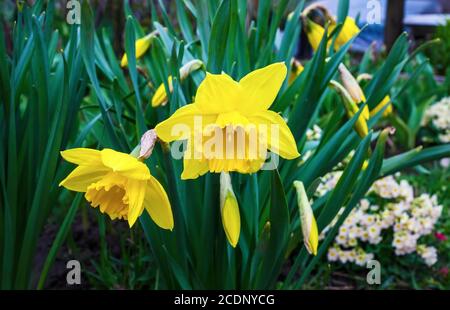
(333, 254)
(429, 254)
(438, 115)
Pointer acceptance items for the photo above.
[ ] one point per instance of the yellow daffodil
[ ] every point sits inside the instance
(229, 127)
(229, 210)
(307, 220)
(119, 184)
(353, 88)
(142, 45)
(296, 70)
(160, 96)
(381, 105)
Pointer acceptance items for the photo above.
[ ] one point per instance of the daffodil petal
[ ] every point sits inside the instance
(193, 166)
(135, 194)
(279, 138)
(261, 87)
(82, 156)
(83, 176)
(217, 93)
(124, 164)
(181, 124)
(157, 204)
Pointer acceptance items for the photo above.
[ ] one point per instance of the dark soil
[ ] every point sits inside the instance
(84, 247)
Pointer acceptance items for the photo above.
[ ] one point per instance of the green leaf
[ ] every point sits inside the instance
(277, 244)
(219, 35)
(59, 240)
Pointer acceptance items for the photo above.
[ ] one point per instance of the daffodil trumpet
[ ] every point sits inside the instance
(229, 210)
(229, 127)
(160, 97)
(307, 219)
(119, 184)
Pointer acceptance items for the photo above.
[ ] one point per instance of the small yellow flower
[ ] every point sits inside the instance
(160, 96)
(119, 184)
(229, 210)
(142, 45)
(296, 70)
(307, 220)
(229, 127)
(381, 105)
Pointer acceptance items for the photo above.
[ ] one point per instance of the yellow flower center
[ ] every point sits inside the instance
(112, 198)
(231, 148)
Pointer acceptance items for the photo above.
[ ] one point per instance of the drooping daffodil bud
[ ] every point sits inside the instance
(142, 45)
(148, 142)
(229, 210)
(351, 109)
(314, 33)
(296, 69)
(160, 96)
(353, 88)
(348, 31)
(385, 102)
(307, 219)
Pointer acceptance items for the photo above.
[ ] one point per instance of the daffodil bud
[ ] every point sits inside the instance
(160, 96)
(190, 67)
(351, 108)
(314, 33)
(353, 88)
(142, 45)
(148, 141)
(229, 210)
(348, 31)
(307, 219)
(296, 70)
(386, 101)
